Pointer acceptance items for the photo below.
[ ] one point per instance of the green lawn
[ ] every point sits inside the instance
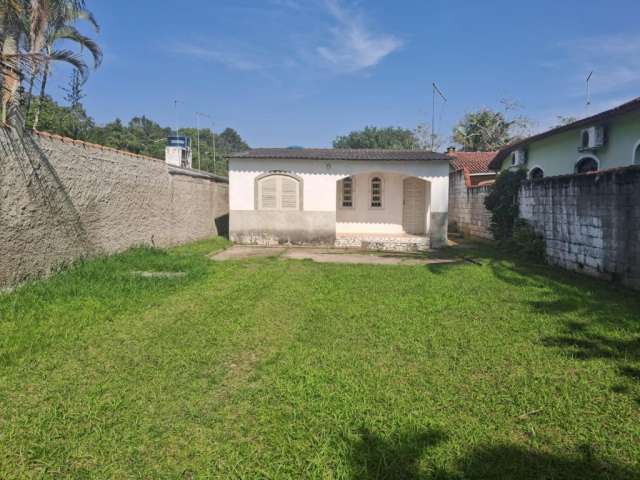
(291, 369)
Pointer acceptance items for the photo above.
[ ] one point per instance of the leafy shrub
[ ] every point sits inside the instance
(527, 241)
(502, 202)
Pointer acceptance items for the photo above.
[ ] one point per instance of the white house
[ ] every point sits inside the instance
(379, 199)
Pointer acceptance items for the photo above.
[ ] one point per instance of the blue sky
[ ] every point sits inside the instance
(301, 72)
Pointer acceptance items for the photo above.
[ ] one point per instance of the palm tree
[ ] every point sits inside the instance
(60, 26)
(11, 12)
(29, 30)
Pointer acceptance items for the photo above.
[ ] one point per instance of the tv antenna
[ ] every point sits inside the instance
(589, 92)
(435, 91)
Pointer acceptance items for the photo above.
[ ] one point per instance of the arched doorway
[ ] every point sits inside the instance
(587, 164)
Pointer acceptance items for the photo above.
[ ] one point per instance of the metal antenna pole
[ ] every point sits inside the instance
(433, 112)
(589, 93)
(433, 115)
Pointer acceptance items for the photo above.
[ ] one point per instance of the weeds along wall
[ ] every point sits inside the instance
(590, 222)
(61, 200)
(467, 213)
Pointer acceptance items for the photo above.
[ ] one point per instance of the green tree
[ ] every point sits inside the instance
(484, 130)
(374, 137)
(66, 121)
(562, 120)
(25, 26)
(58, 25)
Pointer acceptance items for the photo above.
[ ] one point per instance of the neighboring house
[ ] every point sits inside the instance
(474, 164)
(606, 140)
(382, 199)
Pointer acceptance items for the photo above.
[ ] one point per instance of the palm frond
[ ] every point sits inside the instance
(71, 33)
(72, 59)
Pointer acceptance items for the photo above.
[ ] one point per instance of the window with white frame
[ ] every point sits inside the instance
(347, 193)
(278, 192)
(376, 192)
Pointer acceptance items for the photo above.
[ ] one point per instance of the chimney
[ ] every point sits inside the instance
(451, 149)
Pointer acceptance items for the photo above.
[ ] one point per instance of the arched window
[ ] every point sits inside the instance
(536, 173)
(376, 192)
(278, 192)
(585, 139)
(636, 154)
(347, 192)
(586, 165)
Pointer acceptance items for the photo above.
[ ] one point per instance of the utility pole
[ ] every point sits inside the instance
(198, 136)
(433, 112)
(213, 137)
(175, 106)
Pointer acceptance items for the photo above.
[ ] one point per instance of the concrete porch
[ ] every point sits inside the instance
(393, 242)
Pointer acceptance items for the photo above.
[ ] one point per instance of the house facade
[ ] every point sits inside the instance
(609, 139)
(379, 199)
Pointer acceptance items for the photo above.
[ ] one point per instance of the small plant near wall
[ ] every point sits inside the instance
(508, 229)
(527, 241)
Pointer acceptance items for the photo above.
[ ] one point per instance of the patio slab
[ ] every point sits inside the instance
(328, 255)
(242, 252)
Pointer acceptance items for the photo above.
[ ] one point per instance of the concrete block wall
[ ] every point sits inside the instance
(467, 213)
(62, 199)
(590, 222)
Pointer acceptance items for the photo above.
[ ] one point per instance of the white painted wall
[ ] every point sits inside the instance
(320, 179)
(363, 219)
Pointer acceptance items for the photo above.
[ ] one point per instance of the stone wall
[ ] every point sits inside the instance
(590, 222)
(62, 199)
(467, 213)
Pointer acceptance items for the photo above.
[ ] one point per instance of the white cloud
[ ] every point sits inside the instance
(354, 47)
(614, 59)
(229, 59)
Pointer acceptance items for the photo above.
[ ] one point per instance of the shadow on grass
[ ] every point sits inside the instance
(397, 457)
(406, 457)
(506, 462)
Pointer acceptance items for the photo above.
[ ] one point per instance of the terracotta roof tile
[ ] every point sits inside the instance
(474, 162)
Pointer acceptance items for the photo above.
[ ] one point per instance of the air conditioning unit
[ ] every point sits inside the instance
(518, 158)
(592, 138)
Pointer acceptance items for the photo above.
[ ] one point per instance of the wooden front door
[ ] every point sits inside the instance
(414, 216)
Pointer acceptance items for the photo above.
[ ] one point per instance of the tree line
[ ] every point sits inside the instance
(140, 135)
(483, 130)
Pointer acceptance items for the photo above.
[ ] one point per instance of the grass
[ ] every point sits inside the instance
(274, 368)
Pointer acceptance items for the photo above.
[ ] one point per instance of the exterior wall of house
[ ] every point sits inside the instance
(558, 154)
(61, 200)
(363, 219)
(316, 222)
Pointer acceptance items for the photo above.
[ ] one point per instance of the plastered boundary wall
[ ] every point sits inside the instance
(467, 213)
(61, 200)
(590, 222)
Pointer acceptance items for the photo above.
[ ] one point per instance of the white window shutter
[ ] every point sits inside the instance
(269, 193)
(288, 193)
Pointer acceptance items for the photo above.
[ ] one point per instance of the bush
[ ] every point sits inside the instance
(527, 241)
(502, 202)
